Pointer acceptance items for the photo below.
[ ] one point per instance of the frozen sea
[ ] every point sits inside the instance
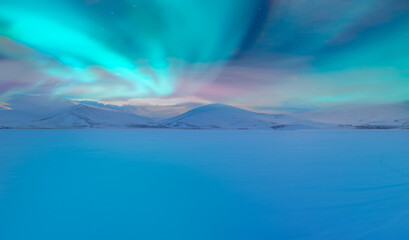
(204, 184)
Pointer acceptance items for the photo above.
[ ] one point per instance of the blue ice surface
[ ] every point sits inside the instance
(204, 184)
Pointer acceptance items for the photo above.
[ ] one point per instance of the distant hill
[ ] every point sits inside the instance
(156, 112)
(53, 112)
(222, 116)
(394, 115)
(85, 116)
(22, 110)
(46, 112)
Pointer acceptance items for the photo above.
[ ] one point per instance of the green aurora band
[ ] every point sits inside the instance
(146, 43)
(267, 53)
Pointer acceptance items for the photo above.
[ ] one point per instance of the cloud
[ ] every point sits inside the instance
(21, 77)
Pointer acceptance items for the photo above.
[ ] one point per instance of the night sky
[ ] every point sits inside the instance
(256, 53)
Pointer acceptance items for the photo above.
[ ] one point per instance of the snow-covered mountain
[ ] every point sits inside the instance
(85, 116)
(157, 112)
(222, 116)
(25, 109)
(54, 112)
(45, 112)
(364, 116)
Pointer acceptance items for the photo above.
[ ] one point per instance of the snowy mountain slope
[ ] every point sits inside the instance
(46, 112)
(24, 109)
(53, 112)
(150, 111)
(364, 116)
(85, 116)
(215, 116)
(162, 112)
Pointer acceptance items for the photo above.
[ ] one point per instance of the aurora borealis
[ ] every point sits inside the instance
(265, 53)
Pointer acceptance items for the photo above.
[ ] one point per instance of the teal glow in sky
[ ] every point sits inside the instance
(248, 52)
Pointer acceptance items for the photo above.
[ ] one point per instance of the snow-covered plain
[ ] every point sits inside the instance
(189, 184)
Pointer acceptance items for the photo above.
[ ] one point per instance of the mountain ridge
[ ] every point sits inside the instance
(223, 116)
(54, 112)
